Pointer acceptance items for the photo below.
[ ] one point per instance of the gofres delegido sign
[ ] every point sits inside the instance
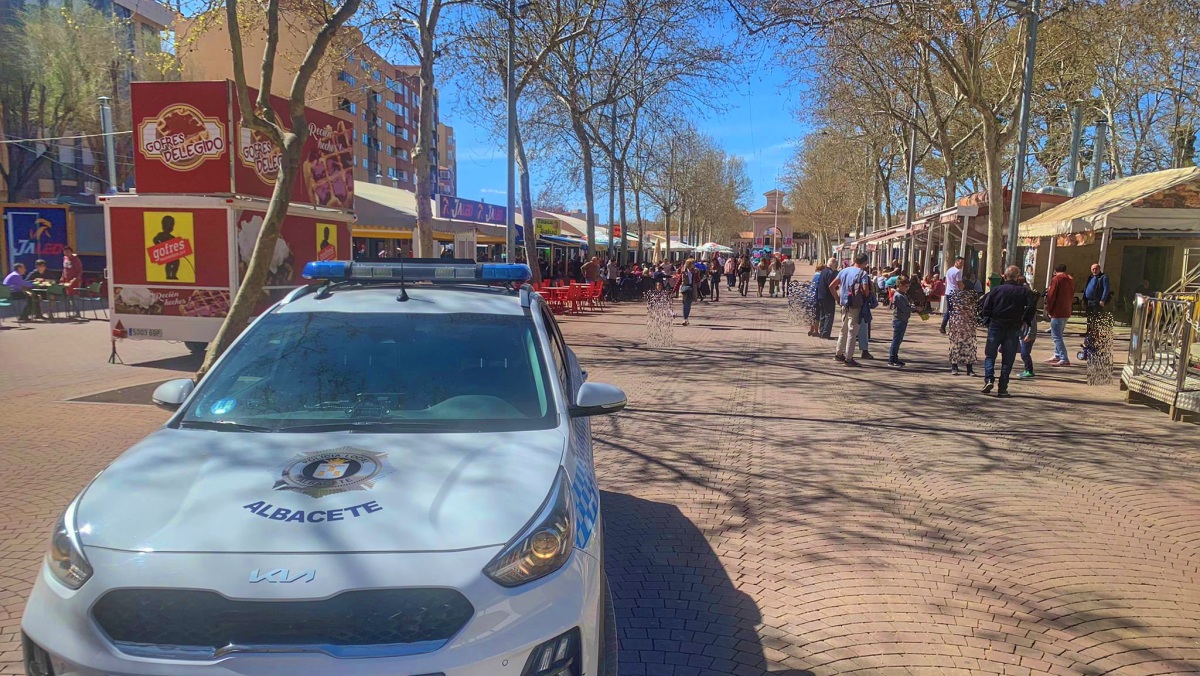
(190, 140)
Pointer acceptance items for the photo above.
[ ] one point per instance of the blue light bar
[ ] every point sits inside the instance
(448, 271)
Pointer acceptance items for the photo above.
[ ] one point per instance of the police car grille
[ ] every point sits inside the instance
(205, 623)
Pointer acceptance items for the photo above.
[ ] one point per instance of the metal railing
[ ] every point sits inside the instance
(1163, 340)
(1189, 281)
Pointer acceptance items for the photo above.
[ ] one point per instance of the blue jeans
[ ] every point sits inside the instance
(898, 329)
(688, 297)
(946, 314)
(1057, 326)
(864, 335)
(1027, 355)
(826, 309)
(1003, 339)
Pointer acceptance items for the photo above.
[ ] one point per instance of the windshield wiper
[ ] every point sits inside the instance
(371, 426)
(224, 426)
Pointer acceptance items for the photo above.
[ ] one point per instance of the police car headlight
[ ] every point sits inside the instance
(65, 558)
(543, 545)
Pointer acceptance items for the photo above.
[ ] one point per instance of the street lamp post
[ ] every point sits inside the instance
(110, 153)
(1031, 10)
(511, 99)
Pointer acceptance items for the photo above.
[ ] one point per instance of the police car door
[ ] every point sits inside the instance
(579, 452)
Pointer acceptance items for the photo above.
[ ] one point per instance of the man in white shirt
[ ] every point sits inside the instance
(954, 278)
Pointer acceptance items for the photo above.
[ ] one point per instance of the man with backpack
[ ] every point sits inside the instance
(851, 287)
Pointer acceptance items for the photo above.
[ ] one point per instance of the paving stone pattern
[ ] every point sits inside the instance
(767, 510)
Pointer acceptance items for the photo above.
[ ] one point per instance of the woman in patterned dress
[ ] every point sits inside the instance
(963, 322)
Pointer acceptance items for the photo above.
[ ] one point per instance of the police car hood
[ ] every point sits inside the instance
(211, 491)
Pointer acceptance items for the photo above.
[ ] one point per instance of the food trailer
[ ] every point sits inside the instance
(178, 249)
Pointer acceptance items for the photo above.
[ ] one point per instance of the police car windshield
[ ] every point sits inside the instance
(386, 372)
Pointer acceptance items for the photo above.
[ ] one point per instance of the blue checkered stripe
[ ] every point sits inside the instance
(587, 504)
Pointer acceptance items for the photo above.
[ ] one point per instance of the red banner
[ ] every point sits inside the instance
(187, 142)
(326, 176)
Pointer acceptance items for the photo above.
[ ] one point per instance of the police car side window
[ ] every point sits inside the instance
(557, 352)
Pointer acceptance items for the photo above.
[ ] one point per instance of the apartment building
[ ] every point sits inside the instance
(447, 181)
(354, 82)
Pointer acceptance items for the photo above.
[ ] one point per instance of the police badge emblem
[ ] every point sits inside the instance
(333, 471)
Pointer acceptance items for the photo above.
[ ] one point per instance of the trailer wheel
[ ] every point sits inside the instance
(196, 347)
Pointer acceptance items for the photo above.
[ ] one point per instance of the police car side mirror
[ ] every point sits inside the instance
(597, 399)
(172, 393)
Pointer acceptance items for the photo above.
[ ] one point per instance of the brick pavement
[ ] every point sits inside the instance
(770, 510)
(754, 525)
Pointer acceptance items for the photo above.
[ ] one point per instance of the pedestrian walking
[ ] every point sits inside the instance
(812, 300)
(1007, 309)
(788, 270)
(731, 269)
(72, 280)
(714, 272)
(744, 270)
(964, 319)
(852, 286)
(774, 276)
(1059, 297)
(901, 313)
(762, 271)
(864, 324)
(954, 282)
(1096, 295)
(826, 299)
(688, 280)
(1028, 337)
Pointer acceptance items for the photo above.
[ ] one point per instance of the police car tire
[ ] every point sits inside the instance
(608, 634)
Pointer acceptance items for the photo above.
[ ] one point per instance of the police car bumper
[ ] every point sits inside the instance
(549, 627)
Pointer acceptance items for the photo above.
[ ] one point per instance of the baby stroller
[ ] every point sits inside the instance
(705, 288)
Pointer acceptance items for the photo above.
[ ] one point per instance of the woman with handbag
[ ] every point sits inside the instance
(688, 279)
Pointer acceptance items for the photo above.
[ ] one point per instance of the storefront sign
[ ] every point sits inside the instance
(460, 209)
(547, 226)
(32, 232)
(185, 131)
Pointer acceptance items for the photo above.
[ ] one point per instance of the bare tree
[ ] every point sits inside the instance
(288, 135)
(416, 25)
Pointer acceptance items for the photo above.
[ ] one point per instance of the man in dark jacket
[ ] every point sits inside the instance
(826, 303)
(1006, 309)
(1095, 296)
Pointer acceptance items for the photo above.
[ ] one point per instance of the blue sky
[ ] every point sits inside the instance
(757, 121)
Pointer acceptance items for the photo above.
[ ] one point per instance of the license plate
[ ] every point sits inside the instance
(145, 333)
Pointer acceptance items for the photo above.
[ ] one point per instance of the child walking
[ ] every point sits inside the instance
(901, 312)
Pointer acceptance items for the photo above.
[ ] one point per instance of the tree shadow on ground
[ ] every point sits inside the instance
(678, 611)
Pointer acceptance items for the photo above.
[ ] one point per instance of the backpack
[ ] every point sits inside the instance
(857, 293)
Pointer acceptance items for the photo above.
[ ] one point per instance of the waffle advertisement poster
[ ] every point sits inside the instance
(190, 140)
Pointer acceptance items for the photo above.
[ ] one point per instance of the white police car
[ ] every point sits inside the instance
(372, 480)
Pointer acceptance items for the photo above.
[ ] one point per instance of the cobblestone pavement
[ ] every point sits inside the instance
(767, 510)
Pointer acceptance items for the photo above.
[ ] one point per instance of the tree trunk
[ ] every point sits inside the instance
(589, 188)
(531, 250)
(667, 234)
(997, 205)
(637, 213)
(423, 235)
(250, 287)
(949, 188)
(624, 225)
